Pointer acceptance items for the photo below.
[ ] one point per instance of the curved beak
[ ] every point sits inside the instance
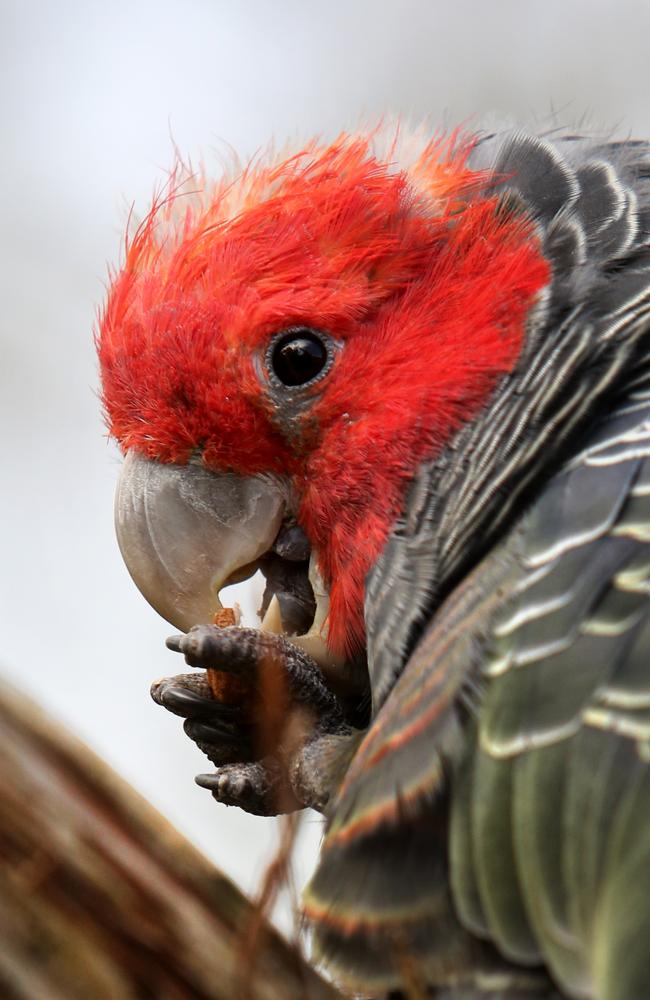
(184, 532)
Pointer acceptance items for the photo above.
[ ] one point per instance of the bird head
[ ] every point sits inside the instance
(287, 345)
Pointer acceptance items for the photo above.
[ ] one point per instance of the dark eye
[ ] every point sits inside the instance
(299, 356)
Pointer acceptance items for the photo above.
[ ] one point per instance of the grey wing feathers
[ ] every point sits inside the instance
(591, 203)
(545, 860)
(517, 584)
(582, 599)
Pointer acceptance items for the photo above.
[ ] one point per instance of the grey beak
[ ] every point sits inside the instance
(184, 531)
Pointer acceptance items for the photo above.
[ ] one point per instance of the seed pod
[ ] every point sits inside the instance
(225, 687)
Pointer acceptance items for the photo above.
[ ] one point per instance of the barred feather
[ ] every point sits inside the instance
(550, 630)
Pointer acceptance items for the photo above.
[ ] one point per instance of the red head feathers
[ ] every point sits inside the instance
(421, 278)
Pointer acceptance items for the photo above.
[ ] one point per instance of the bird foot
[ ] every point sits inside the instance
(272, 726)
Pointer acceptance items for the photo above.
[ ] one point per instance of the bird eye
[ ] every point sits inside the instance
(298, 356)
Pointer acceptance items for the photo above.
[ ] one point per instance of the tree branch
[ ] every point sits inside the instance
(100, 897)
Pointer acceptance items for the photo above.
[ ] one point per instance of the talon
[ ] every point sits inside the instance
(201, 647)
(216, 783)
(225, 786)
(206, 781)
(258, 787)
(212, 733)
(188, 705)
(228, 787)
(229, 649)
(174, 642)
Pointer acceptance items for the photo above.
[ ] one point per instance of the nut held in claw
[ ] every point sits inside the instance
(226, 687)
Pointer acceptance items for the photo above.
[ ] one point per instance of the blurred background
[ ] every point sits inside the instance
(93, 97)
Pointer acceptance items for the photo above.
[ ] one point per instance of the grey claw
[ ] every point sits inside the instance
(174, 643)
(256, 786)
(226, 785)
(188, 705)
(211, 733)
(206, 780)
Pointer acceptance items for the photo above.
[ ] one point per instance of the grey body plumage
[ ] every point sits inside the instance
(541, 768)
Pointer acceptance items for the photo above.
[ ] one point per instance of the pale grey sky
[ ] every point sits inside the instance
(91, 92)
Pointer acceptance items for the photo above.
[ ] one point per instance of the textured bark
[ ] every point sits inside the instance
(100, 897)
